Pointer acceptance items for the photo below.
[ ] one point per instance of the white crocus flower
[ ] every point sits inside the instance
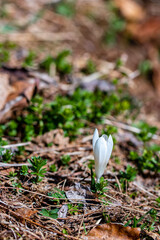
(102, 149)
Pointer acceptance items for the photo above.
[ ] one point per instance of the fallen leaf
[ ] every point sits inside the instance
(16, 90)
(6, 172)
(60, 139)
(22, 87)
(111, 231)
(130, 9)
(154, 236)
(26, 212)
(5, 89)
(62, 213)
(54, 136)
(146, 31)
(76, 193)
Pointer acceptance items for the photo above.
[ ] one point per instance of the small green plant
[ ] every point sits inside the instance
(14, 180)
(29, 60)
(12, 127)
(3, 142)
(37, 168)
(16, 185)
(149, 222)
(66, 8)
(90, 67)
(133, 195)
(50, 213)
(62, 65)
(20, 150)
(116, 25)
(50, 144)
(65, 159)
(12, 174)
(64, 231)
(146, 132)
(73, 209)
(99, 187)
(5, 49)
(145, 67)
(119, 63)
(6, 155)
(53, 168)
(148, 160)
(117, 160)
(106, 217)
(158, 201)
(154, 148)
(110, 130)
(57, 194)
(24, 170)
(46, 63)
(128, 176)
(70, 113)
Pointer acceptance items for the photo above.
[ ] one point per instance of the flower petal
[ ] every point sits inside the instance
(105, 137)
(100, 156)
(109, 147)
(95, 137)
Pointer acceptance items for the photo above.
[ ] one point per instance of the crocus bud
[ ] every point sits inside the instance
(102, 149)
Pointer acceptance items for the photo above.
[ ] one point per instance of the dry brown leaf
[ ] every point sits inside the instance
(14, 96)
(60, 139)
(131, 10)
(54, 136)
(111, 231)
(26, 212)
(5, 88)
(155, 236)
(7, 171)
(146, 31)
(19, 88)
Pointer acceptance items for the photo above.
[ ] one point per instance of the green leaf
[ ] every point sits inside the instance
(53, 168)
(66, 9)
(50, 213)
(58, 194)
(93, 183)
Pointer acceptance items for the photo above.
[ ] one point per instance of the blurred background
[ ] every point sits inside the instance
(95, 34)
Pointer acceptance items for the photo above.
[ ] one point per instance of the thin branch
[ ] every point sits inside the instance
(16, 145)
(7, 165)
(144, 190)
(127, 127)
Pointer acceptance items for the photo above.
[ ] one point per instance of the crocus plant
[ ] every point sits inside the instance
(102, 149)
